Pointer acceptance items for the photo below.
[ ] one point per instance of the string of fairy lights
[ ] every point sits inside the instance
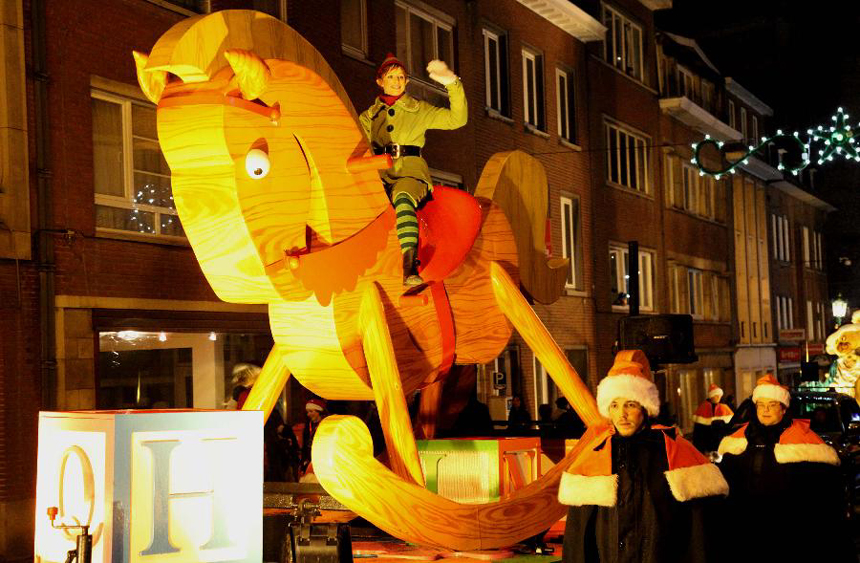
(837, 140)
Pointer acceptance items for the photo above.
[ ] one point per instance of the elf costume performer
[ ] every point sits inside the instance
(395, 124)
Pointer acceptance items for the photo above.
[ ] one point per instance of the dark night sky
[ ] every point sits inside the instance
(803, 60)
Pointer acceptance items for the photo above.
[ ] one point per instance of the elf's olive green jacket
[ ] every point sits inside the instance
(405, 122)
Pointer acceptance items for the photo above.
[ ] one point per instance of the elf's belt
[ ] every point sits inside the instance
(397, 151)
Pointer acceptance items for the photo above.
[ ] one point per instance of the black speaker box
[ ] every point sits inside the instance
(809, 371)
(665, 339)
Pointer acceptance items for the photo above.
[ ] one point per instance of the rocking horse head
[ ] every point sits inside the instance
(266, 157)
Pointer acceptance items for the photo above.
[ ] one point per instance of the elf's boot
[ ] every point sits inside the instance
(410, 268)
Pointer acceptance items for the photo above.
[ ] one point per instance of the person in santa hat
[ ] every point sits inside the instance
(710, 420)
(395, 125)
(786, 501)
(315, 409)
(638, 491)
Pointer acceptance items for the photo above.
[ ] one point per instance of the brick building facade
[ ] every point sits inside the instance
(100, 293)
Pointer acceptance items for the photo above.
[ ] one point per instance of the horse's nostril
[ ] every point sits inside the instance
(258, 171)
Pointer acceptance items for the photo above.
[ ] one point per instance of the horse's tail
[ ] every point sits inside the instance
(516, 182)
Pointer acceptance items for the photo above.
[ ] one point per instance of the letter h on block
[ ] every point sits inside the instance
(171, 486)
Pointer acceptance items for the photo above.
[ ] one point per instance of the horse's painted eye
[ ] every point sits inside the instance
(257, 164)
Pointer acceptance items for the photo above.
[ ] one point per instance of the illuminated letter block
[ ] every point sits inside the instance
(168, 486)
(479, 470)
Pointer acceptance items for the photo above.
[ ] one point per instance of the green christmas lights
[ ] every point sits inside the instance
(838, 139)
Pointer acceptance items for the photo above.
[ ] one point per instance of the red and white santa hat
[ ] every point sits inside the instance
(714, 391)
(629, 378)
(315, 404)
(769, 388)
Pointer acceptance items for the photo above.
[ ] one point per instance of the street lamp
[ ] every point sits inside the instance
(840, 308)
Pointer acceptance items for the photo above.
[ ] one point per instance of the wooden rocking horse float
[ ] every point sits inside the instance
(281, 201)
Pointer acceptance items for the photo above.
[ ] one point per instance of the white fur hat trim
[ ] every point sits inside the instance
(772, 392)
(631, 387)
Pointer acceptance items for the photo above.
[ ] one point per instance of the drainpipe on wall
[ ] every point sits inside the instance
(44, 238)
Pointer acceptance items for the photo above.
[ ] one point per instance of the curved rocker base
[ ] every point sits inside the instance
(343, 460)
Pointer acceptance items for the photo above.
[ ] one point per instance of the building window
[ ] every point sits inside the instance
(566, 109)
(784, 312)
(622, 47)
(694, 290)
(533, 89)
(619, 278)
(422, 37)
(706, 201)
(807, 254)
(131, 178)
(686, 83)
(159, 370)
(571, 244)
(449, 179)
(744, 135)
(732, 119)
(691, 178)
(275, 8)
(708, 96)
(810, 321)
(353, 27)
(779, 225)
(496, 71)
(627, 162)
(818, 256)
(755, 139)
(702, 294)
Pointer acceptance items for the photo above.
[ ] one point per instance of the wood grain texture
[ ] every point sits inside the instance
(387, 390)
(482, 331)
(538, 338)
(516, 182)
(343, 461)
(271, 380)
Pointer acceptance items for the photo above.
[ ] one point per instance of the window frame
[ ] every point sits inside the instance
(695, 290)
(566, 131)
(733, 121)
(744, 131)
(439, 20)
(689, 197)
(642, 186)
(571, 222)
(685, 79)
(502, 71)
(610, 16)
(646, 276)
(128, 170)
(359, 52)
(536, 105)
(755, 138)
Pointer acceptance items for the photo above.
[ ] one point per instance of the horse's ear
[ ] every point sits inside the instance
(252, 73)
(152, 82)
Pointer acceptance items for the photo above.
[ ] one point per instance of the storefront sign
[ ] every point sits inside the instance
(815, 349)
(792, 334)
(788, 355)
(152, 486)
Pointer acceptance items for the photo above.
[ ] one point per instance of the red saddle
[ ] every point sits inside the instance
(448, 225)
